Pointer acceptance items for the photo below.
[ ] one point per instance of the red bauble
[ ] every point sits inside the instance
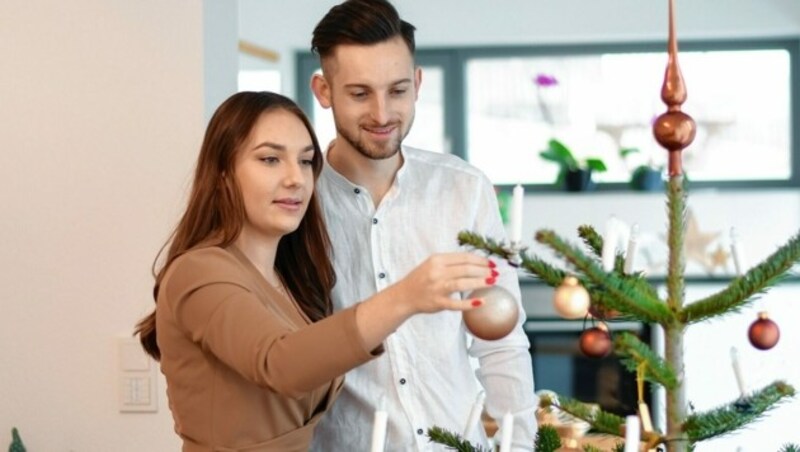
(596, 342)
(763, 333)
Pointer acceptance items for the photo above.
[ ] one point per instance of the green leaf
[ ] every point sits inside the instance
(624, 152)
(559, 153)
(596, 165)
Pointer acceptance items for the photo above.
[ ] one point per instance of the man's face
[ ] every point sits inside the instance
(372, 90)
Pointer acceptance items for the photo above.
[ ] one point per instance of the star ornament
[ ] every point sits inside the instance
(696, 243)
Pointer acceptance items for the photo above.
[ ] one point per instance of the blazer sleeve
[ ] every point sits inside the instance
(208, 296)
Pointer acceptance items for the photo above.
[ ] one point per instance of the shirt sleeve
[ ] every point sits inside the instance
(209, 297)
(505, 369)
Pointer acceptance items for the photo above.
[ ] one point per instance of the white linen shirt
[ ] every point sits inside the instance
(425, 376)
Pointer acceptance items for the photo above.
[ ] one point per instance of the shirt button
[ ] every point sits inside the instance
(402, 381)
(381, 275)
(374, 221)
(419, 431)
(356, 190)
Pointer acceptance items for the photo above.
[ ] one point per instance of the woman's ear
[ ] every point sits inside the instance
(322, 90)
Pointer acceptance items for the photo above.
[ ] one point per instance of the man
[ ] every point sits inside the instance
(388, 207)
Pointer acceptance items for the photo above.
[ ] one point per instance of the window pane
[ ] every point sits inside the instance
(599, 104)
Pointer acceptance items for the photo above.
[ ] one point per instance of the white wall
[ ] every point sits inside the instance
(101, 117)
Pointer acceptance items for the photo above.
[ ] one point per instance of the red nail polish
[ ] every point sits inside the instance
(494, 273)
(490, 280)
(492, 264)
(476, 303)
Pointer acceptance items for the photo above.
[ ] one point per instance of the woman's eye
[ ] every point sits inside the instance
(270, 160)
(308, 162)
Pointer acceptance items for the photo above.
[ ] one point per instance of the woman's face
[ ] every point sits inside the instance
(275, 174)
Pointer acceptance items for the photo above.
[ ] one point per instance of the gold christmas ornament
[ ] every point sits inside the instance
(496, 318)
(571, 300)
(763, 332)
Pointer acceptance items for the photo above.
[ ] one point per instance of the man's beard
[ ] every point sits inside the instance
(372, 152)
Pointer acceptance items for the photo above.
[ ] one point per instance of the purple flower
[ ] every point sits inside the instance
(545, 80)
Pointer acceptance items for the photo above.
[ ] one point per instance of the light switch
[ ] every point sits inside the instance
(138, 378)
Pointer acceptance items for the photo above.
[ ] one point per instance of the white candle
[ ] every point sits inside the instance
(738, 256)
(737, 372)
(633, 246)
(379, 427)
(474, 414)
(632, 434)
(609, 250)
(517, 197)
(507, 428)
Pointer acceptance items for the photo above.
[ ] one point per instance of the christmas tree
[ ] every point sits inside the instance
(630, 296)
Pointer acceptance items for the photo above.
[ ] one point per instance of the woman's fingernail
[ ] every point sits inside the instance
(494, 273)
(476, 303)
(492, 264)
(491, 280)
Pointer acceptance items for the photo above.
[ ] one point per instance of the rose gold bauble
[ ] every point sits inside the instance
(763, 333)
(571, 300)
(596, 342)
(496, 317)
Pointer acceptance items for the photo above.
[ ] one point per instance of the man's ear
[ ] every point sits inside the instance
(417, 81)
(322, 90)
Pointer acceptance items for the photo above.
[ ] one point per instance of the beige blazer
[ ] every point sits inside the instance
(246, 370)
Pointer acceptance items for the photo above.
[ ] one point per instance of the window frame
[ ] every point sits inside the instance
(453, 61)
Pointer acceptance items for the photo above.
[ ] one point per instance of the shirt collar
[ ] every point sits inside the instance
(345, 183)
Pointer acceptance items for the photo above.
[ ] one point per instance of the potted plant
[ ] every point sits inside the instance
(573, 174)
(644, 177)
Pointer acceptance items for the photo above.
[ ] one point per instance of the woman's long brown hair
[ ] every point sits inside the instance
(215, 212)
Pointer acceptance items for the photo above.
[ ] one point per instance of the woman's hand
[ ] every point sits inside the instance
(428, 288)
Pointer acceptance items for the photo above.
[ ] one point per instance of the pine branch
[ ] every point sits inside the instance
(790, 448)
(601, 421)
(547, 439)
(728, 418)
(676, 265)
(452, 440)
(629, 299)
(634, 352)
(535, 266)
(594, 241)
(741, 291)
(591, 238)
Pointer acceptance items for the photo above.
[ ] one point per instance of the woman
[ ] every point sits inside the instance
(246, 339)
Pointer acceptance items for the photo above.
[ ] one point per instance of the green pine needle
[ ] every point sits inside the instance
(634, 352)
(601, 421)
(591, 238)
(16, 442)
(728, 418)
(452, 440)
(629, 298)
(547, 439)
(742, 291)
(790, 448)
